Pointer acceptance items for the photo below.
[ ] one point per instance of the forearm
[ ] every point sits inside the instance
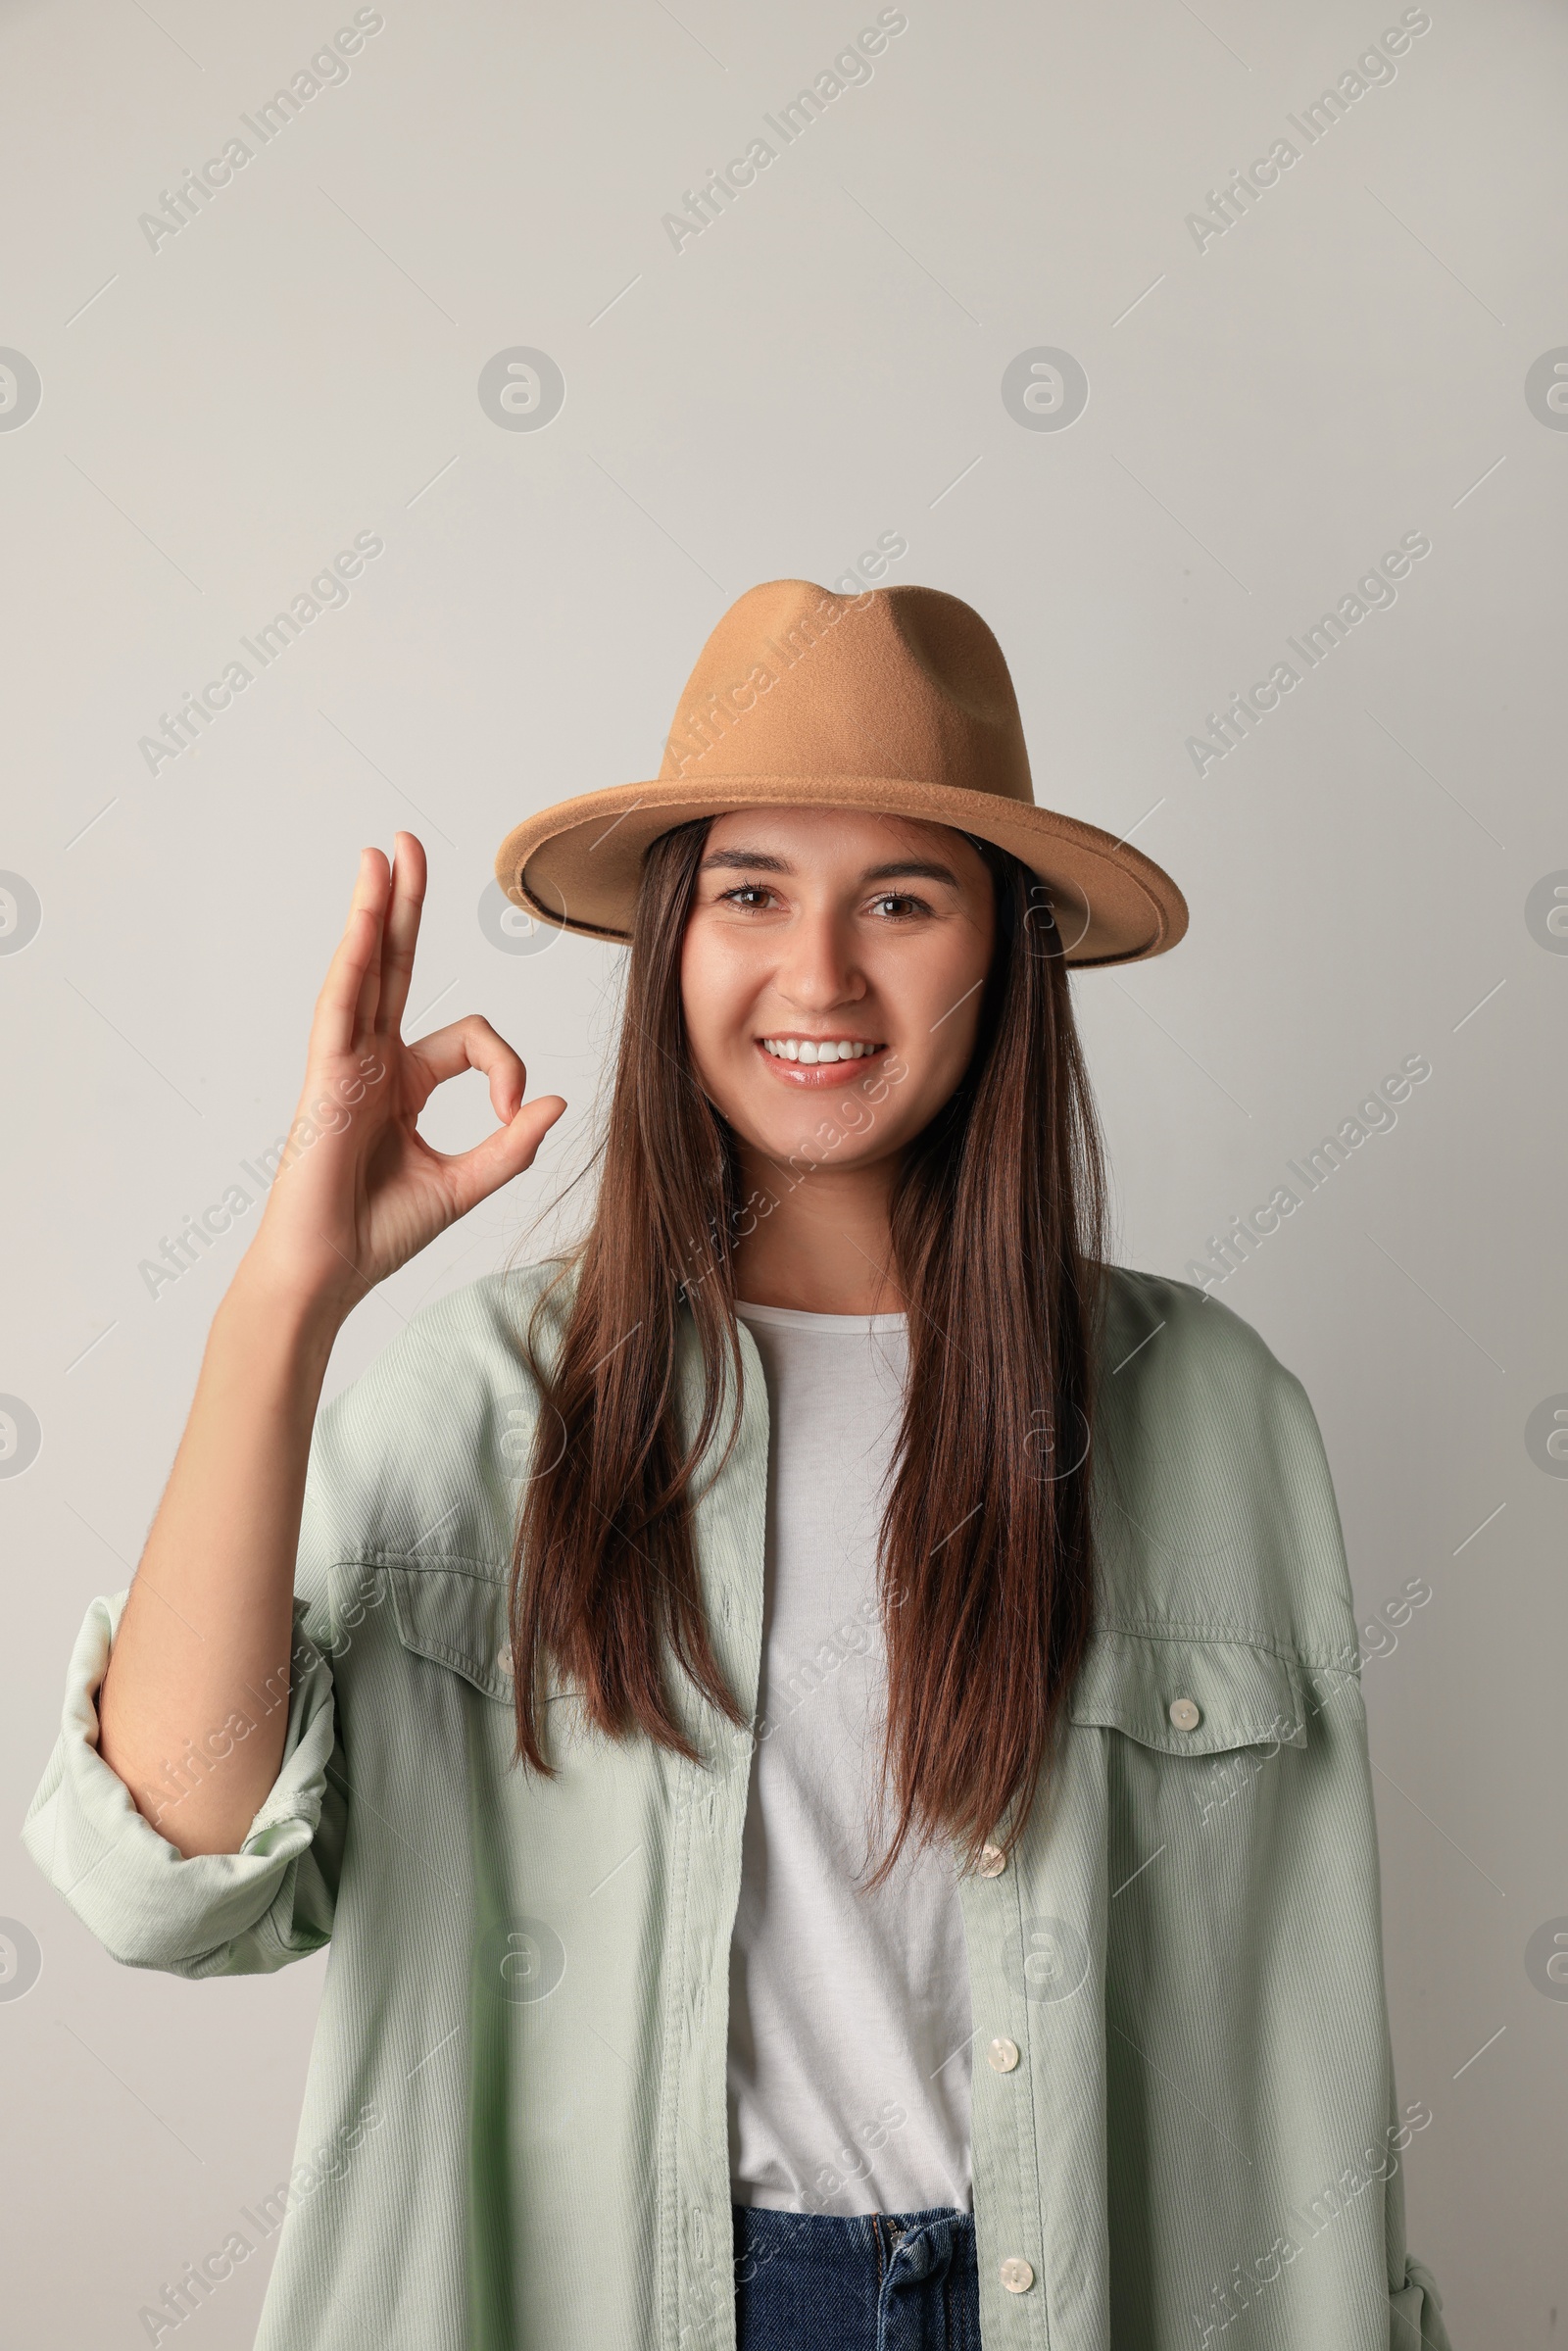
(194, 1704)
(194, 1710)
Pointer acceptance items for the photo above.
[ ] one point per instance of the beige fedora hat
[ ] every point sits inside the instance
(898, 702)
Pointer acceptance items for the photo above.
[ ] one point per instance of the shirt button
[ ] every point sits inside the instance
(504, 1665)
(1016, 2275)
(993, 1861)
(1185, 1714)
(1003, 2054)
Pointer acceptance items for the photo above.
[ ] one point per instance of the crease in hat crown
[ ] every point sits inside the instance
(898, 701)
(900, 682)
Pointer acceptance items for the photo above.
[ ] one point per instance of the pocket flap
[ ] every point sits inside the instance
(459, 1619)
(1244, 1694)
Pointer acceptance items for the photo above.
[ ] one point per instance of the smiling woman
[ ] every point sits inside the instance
(589, 1813)
(809, 945)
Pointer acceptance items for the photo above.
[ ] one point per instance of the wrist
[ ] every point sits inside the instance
(303, 1321)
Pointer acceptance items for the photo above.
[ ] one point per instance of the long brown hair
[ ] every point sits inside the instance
(985, 1559)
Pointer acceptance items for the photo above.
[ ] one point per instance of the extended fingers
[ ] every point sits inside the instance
(353, 977)
(375, 873)
(401, 931)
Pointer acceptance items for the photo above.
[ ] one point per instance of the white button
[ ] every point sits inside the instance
(1185, 1714)
(993, 1861)
(504, 1661)
(1016, 2275)
(1003, 2054)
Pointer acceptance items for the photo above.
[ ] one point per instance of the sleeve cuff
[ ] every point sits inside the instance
(1415, 2321)
(216, 1913)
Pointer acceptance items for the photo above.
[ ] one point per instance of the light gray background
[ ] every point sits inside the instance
(1266, 416)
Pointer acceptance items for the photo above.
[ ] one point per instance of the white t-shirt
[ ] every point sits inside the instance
(849, 2015)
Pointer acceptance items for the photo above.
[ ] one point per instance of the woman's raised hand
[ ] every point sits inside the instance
(210, 1620)
(359, 1192)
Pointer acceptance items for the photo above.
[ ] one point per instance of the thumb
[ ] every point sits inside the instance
(476, 1173)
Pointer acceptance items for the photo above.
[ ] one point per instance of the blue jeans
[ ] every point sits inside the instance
(865, 2282)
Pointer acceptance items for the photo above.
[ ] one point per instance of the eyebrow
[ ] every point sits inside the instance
(761, 860)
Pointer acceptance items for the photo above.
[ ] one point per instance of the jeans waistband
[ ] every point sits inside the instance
(855, 2281)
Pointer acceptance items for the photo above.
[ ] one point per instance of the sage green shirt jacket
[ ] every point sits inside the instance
(515, 2135)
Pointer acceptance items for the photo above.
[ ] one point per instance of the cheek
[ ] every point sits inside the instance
(714, 992)
(940, 999)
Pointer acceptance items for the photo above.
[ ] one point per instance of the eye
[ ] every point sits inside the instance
(905, 898)
(743, 891)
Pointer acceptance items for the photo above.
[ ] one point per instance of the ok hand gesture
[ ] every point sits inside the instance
(359, 1192)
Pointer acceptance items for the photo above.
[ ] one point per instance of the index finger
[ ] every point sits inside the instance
(349, 974)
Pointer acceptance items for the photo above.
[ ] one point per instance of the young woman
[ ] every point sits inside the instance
(822, 1726)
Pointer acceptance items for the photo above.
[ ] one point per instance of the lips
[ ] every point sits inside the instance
(813, 1077)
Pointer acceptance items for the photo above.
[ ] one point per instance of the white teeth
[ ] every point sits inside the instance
(802, 1049)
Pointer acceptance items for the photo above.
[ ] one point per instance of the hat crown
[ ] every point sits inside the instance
(901, 682)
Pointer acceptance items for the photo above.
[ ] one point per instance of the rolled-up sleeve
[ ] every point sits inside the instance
(1345, 1839)
(1415, 2300)
(214, 1913)
(1348, 1853)
(1416, 2312)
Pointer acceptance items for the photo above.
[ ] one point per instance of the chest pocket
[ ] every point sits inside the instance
(456, 1617)
(1194, 1695)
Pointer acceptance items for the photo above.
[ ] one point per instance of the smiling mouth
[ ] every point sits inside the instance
(802, 1062)
(815, 1052)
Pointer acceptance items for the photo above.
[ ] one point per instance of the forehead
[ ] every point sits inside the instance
(819, 836)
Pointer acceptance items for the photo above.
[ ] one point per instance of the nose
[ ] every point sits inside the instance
(816, 969)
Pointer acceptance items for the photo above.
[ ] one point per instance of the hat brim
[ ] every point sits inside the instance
(575, 866)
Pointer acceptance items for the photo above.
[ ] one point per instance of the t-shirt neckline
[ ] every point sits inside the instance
(796, 1318)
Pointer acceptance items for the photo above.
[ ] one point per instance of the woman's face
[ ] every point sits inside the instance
(816, 927)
